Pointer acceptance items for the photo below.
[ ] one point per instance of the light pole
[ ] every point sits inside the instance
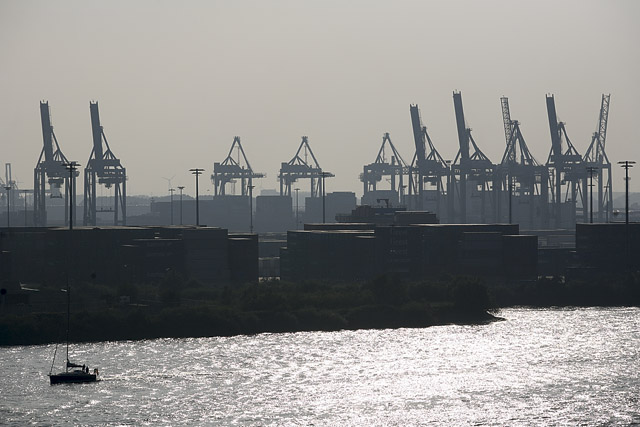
(251, 187)
(71, 167)
(24, 195)
(591, 170)
(181, 187)
(197, 172)
(171, 190)
(627, 164)
(297, 209)
(8, 188)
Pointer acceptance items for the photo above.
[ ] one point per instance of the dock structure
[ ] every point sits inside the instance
(597, 163)
(472, 176)
(518, 189)
(50, 169)
(389, 165)
(103, 168)
(521, 183)
(567, 174)
(429, 174)
(232, 170)
(303, 165)
(469, 189)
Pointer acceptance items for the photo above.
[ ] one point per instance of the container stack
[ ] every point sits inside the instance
(243, 258)
(206, 254)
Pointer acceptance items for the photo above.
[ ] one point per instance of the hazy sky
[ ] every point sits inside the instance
(176, 80)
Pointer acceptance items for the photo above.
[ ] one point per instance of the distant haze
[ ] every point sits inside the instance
(176, 81)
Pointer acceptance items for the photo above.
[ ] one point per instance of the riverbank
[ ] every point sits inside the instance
(599, 291)
(178, 309)
(206, 321)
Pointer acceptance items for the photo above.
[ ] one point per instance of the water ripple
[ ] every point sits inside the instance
(542, 367)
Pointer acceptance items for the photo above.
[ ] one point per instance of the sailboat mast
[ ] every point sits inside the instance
(71, 167)
(68, 322)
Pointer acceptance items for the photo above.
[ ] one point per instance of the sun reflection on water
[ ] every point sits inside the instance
(538, 367)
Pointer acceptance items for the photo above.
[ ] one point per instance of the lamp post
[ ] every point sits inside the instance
(71, 167)
(251, 187)
(181, 187)
(171, 190)
(197, 172)
(297, 209)
(591, 170)
(627, 164)
(8, 188)
(24, 195)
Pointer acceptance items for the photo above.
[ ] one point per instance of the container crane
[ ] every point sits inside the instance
(299, 167)
(104, 168)
(395, 168)
(50, 169)
(231, 169)
(470, 170)
(521, 177)
(429, 177)
(567, 172)
(596, 157)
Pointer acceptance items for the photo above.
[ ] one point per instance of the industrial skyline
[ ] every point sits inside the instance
(177, 83)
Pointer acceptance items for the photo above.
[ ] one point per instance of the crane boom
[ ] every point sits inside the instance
(463, 135)
(556, 142)
(418, 136)
(47, 131)
(602, 126)
(506, 119)
(96, 129)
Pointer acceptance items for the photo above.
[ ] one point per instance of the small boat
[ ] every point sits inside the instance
(73, 373)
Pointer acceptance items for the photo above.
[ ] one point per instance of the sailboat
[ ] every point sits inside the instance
(73, 373)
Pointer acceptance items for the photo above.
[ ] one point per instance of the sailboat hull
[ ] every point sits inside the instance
(72, 377)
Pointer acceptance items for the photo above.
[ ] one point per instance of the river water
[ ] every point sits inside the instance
(538, 367)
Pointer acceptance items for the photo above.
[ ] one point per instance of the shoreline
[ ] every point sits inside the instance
(175, 308)
(199, 322)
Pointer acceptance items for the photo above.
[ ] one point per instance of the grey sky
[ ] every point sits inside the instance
(177, 80)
